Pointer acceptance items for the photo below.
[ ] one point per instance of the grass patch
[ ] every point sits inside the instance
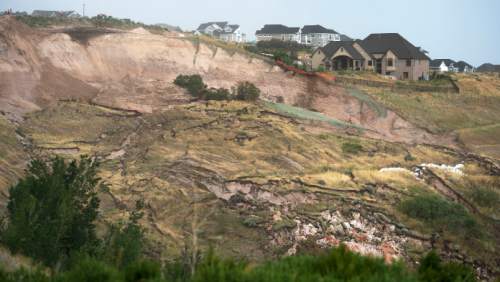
(363, 97)
(302, 113)
(351, 148)
(439, 213)
(485, 197)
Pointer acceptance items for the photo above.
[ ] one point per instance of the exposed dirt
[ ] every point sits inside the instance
(135, 70)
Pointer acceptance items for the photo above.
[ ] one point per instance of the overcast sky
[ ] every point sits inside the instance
(457, 29)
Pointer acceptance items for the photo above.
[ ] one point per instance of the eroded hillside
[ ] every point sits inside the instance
(135, 71)
(253, 180)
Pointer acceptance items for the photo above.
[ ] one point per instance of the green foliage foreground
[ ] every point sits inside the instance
(336, 265)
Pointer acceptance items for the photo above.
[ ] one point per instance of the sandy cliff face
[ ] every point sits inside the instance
(135, 71)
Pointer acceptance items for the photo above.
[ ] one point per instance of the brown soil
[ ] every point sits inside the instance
(135, 71)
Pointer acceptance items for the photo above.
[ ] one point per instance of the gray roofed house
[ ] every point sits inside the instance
(318, 36)
(380, 43)
(222, 30)
(443, 65)
(386, 53)
(331, 48)
(278, 32)
(308, 29)
(464, 67)
(277, 29)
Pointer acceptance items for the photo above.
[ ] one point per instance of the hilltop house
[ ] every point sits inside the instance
(278, 32)
(443, 65)
(55, 14)
(222, 30)
(465, 67)
(385, 53)
(318, 36)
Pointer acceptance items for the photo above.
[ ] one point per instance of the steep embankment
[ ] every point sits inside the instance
(134, 70)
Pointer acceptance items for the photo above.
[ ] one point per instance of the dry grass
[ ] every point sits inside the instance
(169, 170)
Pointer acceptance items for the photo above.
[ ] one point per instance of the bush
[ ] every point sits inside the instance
(142, 271)
(247, 91)
(192, 83)
(351, 148)
(217, 94)
(433, 270)
(90, 270)
(440, 213)
(52, 211)
(338, 264)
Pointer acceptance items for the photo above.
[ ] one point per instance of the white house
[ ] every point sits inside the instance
(222, 31)
(318, 36)
(443, 65)
(278, 32)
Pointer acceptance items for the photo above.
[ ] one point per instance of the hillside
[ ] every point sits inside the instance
(330, 165)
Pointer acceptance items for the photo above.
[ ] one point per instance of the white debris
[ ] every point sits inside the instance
(457, 169)
(395, 169)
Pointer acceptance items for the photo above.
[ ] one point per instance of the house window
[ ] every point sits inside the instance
(370, 63)
(406, 75)
(408, 63)
(390, 62)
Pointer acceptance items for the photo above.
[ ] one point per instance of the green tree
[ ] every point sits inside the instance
(193, 83)
(247, 91)
(124, 243)
(51, 212)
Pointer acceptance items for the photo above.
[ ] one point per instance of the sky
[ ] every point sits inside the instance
(458, 29)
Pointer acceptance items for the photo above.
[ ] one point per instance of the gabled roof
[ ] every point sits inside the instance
(380, 43)
(277, 29)
(205, 25)
(344, 37)
(308, 29)
(331, 48)
(437, 62)
(462, 65)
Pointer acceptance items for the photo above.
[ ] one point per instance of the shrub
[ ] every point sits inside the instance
(90, 270)
(247, 91)
(193, 83)
(52, 211)
(351, 148)
(142, 271)
(433, 270)
(217, 94)
(439, 213)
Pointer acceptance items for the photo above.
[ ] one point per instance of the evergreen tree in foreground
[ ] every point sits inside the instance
(51, 212)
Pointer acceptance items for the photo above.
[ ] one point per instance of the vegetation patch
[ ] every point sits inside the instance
(244, 91)
(351, 148)
(440, 214)
(302, 113)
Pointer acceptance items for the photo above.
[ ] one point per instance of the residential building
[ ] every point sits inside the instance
(385, 53)
(318, 36)
(278, 32)
(465, 67)
(443, 65)
(222, 30)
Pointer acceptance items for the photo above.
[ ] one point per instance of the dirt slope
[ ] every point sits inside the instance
(135, 71)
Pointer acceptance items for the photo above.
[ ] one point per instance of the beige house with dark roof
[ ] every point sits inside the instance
(386, 53)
